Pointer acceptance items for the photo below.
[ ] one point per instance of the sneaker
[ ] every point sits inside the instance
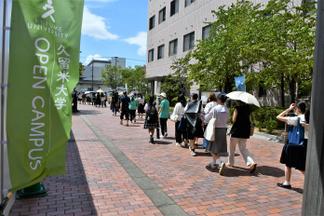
(282, 185)
(252, 168)
(193, 153)
(221, 169)
(177, 144)
(151, 140)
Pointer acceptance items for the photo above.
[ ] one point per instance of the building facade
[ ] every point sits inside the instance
(92, 75)
(174, 27)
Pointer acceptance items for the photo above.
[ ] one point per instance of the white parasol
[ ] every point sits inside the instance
(244, 97)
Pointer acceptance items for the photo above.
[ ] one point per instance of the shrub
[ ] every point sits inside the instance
(265, 118)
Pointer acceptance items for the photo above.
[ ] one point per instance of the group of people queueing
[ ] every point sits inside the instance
(192, 122)
(127, 106)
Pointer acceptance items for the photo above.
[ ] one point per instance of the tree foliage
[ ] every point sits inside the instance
(114, 76)
(272, 45)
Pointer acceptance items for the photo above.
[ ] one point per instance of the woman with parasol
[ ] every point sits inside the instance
(241, 129)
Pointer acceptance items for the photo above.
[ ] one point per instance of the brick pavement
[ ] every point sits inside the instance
(98, 184)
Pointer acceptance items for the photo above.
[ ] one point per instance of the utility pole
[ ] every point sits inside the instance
(3, 86)
(313, 203)
(92, 74)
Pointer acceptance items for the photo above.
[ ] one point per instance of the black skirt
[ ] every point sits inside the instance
(294, 156)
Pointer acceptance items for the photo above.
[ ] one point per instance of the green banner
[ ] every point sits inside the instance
(43, 71)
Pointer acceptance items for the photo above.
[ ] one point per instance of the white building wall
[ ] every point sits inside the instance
(191, 18)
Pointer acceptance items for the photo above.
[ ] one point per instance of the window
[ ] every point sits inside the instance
(152, 22)
(205, 32)
(173, 47)
(188, 41)
(189, 2)
(162, 14)
(151, 55)
(160, 52)
(174, 7)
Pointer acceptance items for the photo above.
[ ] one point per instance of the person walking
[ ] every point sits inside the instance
(132, 109)
(194, 124)
(124, 104)
(141, 104)
(115, 103)
(176, 116)
(164, 114)
(219, 145)
(211, 103)
(240, 133)
(293, 154)
(151, 118)
(102, 99)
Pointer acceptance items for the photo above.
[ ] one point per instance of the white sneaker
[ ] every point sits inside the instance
(222, 168)
(193, 153)
(177, 144)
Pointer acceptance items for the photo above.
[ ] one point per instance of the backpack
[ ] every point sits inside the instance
(152, 114)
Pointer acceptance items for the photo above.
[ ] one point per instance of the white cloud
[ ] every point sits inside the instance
(89, 58)
(139, 40)
(95, 26)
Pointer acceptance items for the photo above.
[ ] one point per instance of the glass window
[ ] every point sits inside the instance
(152, 22)
(160, 52)
(162, 14)
(188, 41)
(174, 7)
(173, 47)
(151, 55)
(205, 32)
(189, 2)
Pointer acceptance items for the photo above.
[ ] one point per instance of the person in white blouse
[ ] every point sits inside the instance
(177, 115)
(219, 146)
(294, 155)
(211, 103)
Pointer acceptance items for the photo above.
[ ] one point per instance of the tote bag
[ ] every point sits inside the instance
(210, 130)
(296, 134)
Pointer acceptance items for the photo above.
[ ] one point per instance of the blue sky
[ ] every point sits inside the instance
(114, 28)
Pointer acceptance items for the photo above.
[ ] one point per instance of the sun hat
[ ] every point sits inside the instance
(163, 95)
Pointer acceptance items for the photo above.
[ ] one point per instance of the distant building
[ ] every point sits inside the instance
(174, 26)
(92, 75)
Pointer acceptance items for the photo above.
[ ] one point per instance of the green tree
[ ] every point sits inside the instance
(177, 83)
(135, 78)
(112, 76)
(81, 69)
(218, 59)
(272, 45)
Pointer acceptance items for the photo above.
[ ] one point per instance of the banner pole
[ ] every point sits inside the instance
(3, 68)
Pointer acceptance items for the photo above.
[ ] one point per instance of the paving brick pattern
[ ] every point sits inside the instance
(96, 184)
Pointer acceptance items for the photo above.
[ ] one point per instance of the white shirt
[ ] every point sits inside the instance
(209, 106)
(220, 112)
(179, 111)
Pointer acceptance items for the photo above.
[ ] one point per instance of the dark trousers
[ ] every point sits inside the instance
(179, 134)
(163, 124)
(124, 113)
(132, 114)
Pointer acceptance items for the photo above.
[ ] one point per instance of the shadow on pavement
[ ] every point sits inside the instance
(161, 142)
(88, 112)
(270, 171)
(67, 195)
(236, 172)
(298, 190)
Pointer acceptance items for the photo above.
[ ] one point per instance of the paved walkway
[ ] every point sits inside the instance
(113, 170)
